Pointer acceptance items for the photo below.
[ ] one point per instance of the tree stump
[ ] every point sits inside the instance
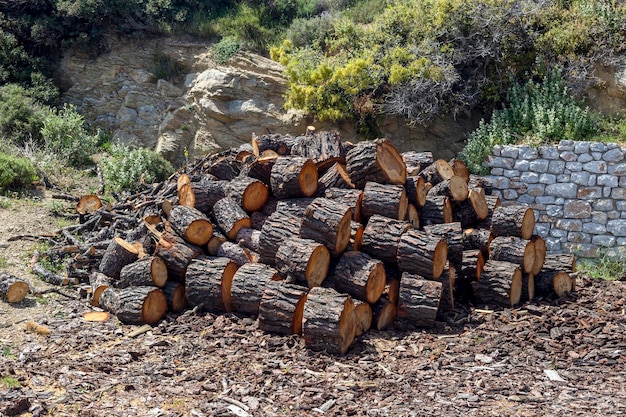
(282, 308)
(118, 254)
(455, 188)
(175, 296)
(249, 193)
(419, 300)
(149, 270)
(293, 176)
(383, 313)
(500, 284)
(191, 224)
(12, 288)
(513, 221)
(436, 210)
(360, 276)
(384, 199)
(208, 284)
(278, 228)
(422, 253)
(329, 322)
(135, 305)
(303, 260)
(363, 317)
(515, 250)
(377, 161)
(382, 236)
(230, 217)
(248, 285)
(327, 222)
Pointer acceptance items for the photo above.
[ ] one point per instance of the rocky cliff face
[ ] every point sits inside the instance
(213, 106)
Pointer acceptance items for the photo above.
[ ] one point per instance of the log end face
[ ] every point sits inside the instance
(227, 284)
(317, 268)
(391, 162)
(17, 292)
(376, 283)
(255, 196)
(439, 258)
(239, 224)
(308, 179)
(154, 307)
(158, 270)
(528, 224)
(343, 233)
(562, 283)
(298, 315)
(516, 287)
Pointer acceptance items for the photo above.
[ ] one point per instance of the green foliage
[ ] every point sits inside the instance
(63, 134)
(15, 172)
(9, 382)
(543, 112)
(21, 116)
(166, 67)
(247, 25)
(225, 49)
(608, 265)
(128, 169)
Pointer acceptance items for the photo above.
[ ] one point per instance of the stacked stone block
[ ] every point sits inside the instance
(576, 189)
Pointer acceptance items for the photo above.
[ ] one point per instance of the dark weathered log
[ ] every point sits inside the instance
(281, 144)
(419, 300)
(249, 283)
(376, 161)
(135, 305)
(208, 284)
(293, 176)
(477, 181)
(360, 276)
(250, 193)
(230, 217)
(98, 282)
(515, 250)
(350, 197)
(477, 239)
(454, 188)
(216, 241)
(551, 283)
(202, 195)
(472, 266)
(436, 210)
(422, 253)
(12, 288)
(382, 236)
(175, 296)
(303, 260)
(384, 313)
(176, 253)
(278, 228)
(328, 322)
(453, 234)
(438, 171)
(356, 236)
(560, 262)
(327, 222)
(335, 177)
(257, 219)
(500, 284)
(118, 254)
(416, 191)
(363, 317)
(260, 169)
(513, 221)
(249, 238)
(385, 199)
(295, 206)
(471, 211)
(237, 253)
(540, 253)
(416, 162)
(224, 167)
(282, 307)
(149, 270)
(321, 148)
(191, 224)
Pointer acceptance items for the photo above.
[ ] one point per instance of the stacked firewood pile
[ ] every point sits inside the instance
(314, 236)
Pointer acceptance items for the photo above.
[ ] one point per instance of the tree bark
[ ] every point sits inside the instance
(230, 218)
(12, 288)
(477, 239)
(135, 305)
(513, 221)
(248, 285)
(327, 222)
(335, 177)
(360, 276)
(293, 176)
(175, 296)
(208, 284)
(149, 270)
(416, 162)
(419, 300)
(177, 254)
(453, 234)
(278, 228)
(500, 284)
(350, 197)
(191, 224)
(471, 211)
(303, 260)
(118, 254)
(98, 282)
(282, 308)
(515, 250)
(249, 193)
(438, 171)
(281, 144)
(552, 283)
(384, 199)
(382, 236)
(202, 195)
(384, 313)
(376, 161)
(363, 317)
(436, 210)
(455, 188)
(416, 191)
(321, 148)
(422, 253)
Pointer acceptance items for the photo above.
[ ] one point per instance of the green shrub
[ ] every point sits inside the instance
(225, 49)
(608, 264)
(15, 172)
(127, 169)
(21, 117)
(166, 67)
(64, 135)
(246, 24)
(536, 113)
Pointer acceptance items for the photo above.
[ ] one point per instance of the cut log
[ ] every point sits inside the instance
(282, 308)
(251, 194)
(382, 236)
(352, 198)
(321, 148)
(477, 239)
(88, 204)
(329, 322)
(385, 199)
(363, 317)
(422, 254)
(182, 180)
(438, 171)
(294, 176)
(454, 188)
(477, 181)
(419, 300)
(177, 254)
(135, 305)
(513, 221)
(216, 241)
(472, 266)
(278, 228)
(453, 234)
(191, 224)
(356, 236)
(237, 253)
(98, 282)
(416, 191)
(412, 216)
(327, 222)
(551, 283)
(448, 284)
(261, 169)
(202, 195)
(383, 313)
(515, 250)
(376, 161)
(416, 162)
(208, 284)
(303, 260)
(335, 177)
(281, 144)
(248, 285)
(230, 217)
(460, 169)
(224, 167)
(436, 210)
(500, 284)
(117, 255)
(295, 206)
(360, 276)
(540, 253)
(175, 296)
(12, 288)
(493, 202)
(528, 287)
(471, 211)
(249, 238)
(149, 270)
(560, 262)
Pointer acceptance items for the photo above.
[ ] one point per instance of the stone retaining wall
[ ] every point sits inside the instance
(577, 190)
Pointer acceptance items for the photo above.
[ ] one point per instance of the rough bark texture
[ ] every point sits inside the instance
(136, 305)
(319, 147)
(552, 283)
(416, 162)
(248, 285)
(175, 296)
(416, 191)
(500, 284)
(202, 195)
(454, 188)
(382, 236)
(383, 313)
(208, 284)
(303, 260)
(513, 249)
(376, 161)
(117, 255)
(149, 270)
(477, 239)
(237, 253)
(363, 317)
(98, 283)
(293, 176)
(230, 217)
(471, 211)
(472, 266)
(177, 254)
(438, 171)
(419, 300)
(513, 221)
(282, 307)
(249, 238)
(277, 228)
(349, 197)
(453, 234)
(191, 224)
(250, 193)
(12, 288)
(422, 253)
(436, 210)
(335, 177)
(327, 222)
(295, 206)
(384, 199)
(281, 144)
(360, 276)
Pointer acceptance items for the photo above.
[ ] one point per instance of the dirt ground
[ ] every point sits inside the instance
(546, 358)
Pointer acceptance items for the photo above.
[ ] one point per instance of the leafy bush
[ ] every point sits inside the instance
(64, 135)
(225, 49)
(15, 172)
(248, 25)
(128, 169)
(535, 113)
(21, 116)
